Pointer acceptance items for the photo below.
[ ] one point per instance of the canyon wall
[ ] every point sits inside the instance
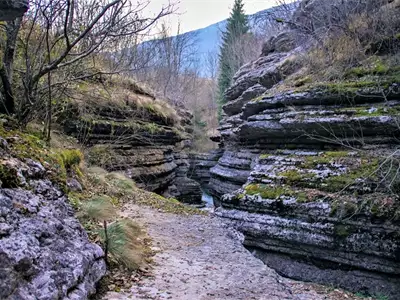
(309, 170)
(141, 136)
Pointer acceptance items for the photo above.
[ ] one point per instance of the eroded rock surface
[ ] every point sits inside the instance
(307, 171)
(200, 165)
(44, 251)
(149, 147)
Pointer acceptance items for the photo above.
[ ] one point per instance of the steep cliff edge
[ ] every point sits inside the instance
(129, 130)
(309, 170)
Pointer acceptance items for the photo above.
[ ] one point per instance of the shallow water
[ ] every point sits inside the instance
(208, 199)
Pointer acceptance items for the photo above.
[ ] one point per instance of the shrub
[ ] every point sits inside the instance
(71, 158)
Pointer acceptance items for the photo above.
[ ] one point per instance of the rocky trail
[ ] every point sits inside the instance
(201, 258)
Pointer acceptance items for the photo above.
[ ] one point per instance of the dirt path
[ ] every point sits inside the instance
(201, 258)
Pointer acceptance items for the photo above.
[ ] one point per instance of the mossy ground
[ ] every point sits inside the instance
(29, 145)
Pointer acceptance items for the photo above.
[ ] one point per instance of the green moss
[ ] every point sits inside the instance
(302, 81)
(342, 231)
(8, 177)
(302, 198)
(346, 87)
(265, 156)
(262, 97)
(24, 145)
(380, 111)
(327, 157)
(258, 98)
(377, 68)
(367, 169)
(312, 162)
(134, 125)
(292, 176)
(268, 192)
(240, 196)
(336, 154)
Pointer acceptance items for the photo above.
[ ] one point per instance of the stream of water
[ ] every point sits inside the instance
(208, 199)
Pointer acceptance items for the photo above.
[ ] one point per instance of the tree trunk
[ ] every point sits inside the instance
(6, 70)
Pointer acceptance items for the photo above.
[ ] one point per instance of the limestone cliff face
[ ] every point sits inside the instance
(45, 252)
(200, 165)
(309, 172)
(140, 135)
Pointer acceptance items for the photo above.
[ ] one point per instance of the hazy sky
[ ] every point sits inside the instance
(194, 14)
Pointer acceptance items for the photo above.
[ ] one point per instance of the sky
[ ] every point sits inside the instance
(195, 14)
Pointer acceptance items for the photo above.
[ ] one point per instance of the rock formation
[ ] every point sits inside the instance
(44, 251)
(309, 171)
(12, 9)
(138, 137)
(200, 165)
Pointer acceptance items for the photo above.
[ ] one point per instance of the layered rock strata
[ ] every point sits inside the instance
(140, 141)
(184, 188)
(200, 165)
(309, 174)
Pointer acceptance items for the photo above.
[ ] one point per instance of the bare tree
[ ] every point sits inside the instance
(169, 65)
(66, 36)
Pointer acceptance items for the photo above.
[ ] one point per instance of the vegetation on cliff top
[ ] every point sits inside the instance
(231, 57)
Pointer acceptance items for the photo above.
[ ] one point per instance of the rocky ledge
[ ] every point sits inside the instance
(309, 171)
(142, 136)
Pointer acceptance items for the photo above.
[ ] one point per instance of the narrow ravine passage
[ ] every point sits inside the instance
(201, 258)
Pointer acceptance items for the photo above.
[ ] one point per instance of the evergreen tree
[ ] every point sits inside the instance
(229, 60)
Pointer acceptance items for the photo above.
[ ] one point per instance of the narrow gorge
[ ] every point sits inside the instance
(106, 191)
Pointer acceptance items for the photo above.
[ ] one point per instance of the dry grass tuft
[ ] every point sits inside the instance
(98, 208)
(125, 95)
(126, 244)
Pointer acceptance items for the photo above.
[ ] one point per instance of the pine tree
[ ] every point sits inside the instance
(229, 61)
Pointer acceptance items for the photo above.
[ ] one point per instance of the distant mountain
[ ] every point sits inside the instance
(208, 39)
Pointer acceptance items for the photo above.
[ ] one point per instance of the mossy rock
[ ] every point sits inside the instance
(8, 177)
(23, 145)
(365, 171)
(342, 231)
(267, 192)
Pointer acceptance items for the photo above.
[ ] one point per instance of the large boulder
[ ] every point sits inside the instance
(44, 251)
